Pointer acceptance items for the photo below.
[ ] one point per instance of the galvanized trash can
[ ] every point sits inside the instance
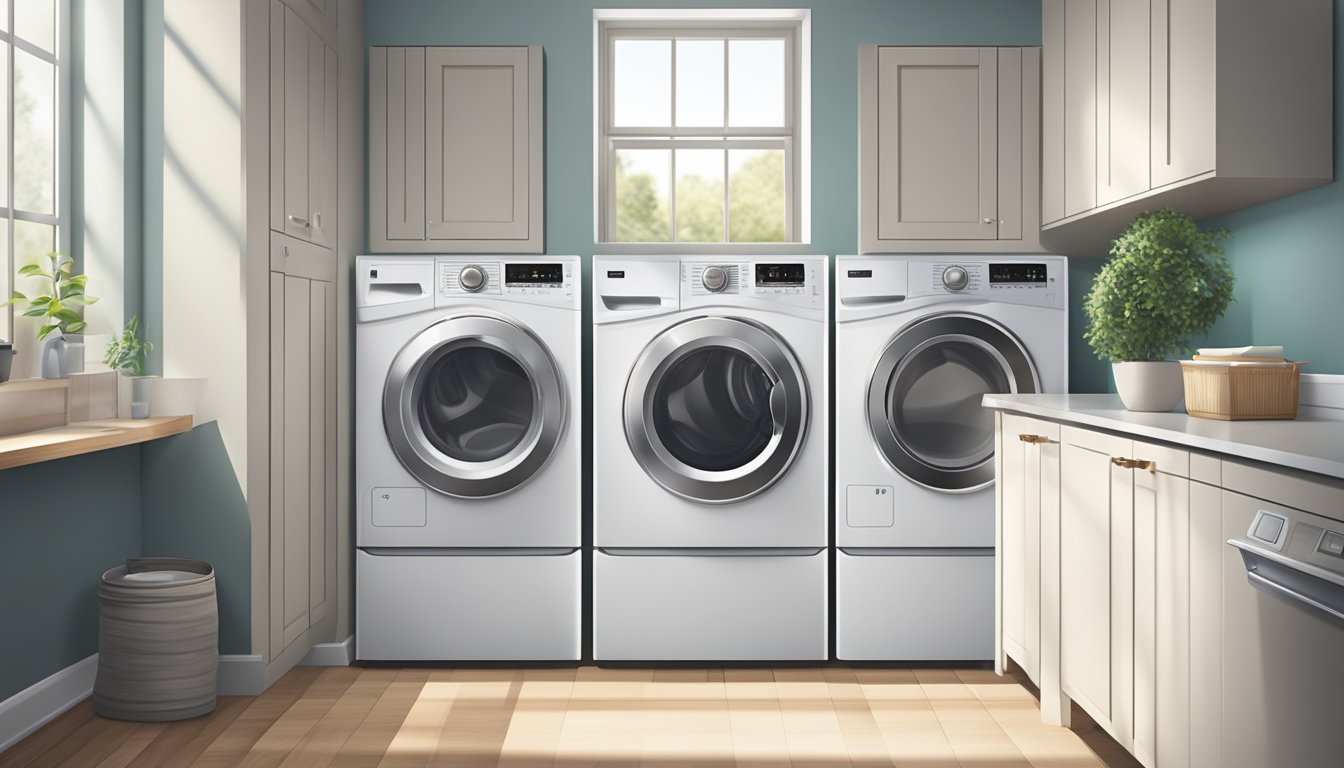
(158, 640)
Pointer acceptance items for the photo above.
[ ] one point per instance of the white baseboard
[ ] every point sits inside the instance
(241, 675)
(331, 654)
(1323, 390)
(43, 701)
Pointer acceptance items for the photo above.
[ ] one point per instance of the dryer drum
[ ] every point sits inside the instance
(474, 406)
(716, 409)
(924, 398)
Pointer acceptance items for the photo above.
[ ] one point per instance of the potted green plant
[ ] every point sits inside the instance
(127, 355)
(60, 306)
(1165, 284)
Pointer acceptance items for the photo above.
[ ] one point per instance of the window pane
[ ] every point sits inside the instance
(32, 242)
(4, 129)
(700, 83)
(700, 195)
(4, 15)
(642, 76)
(34, 134)
(35, 21)
(756, 195)
(6, 282)
(643, 212)
(756, 83)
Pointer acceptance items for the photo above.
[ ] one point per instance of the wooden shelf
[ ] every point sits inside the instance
(85, 437)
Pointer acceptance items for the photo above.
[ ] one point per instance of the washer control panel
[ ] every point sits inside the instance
(550, 282)
(1020, 282)
(746, 278)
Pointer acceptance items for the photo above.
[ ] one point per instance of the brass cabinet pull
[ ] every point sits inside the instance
(1034, 439)
(1121, 461)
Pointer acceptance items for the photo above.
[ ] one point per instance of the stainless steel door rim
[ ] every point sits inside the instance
(1000, 356)
(786, 405)
(502, 470)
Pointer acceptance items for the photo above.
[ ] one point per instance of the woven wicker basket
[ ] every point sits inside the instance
(1236, 392)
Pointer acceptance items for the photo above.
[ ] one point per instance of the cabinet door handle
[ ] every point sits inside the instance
(989, 219)
(1121, 461)
(298, 221)
(317, 219)
(1033, 439)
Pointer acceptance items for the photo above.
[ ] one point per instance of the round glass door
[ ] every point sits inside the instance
(924, 399)
(474, 406)
(716, 409)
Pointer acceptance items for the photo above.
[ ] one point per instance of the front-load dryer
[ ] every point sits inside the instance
(710, 458)
(467, 458)
(919, 341)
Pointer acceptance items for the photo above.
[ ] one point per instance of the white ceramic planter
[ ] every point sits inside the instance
(1153, 386)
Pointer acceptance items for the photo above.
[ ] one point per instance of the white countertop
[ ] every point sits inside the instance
(1313, 442)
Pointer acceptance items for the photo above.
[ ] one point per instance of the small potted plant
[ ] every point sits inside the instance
(1165, 284)
(61, 307)
(127, 354)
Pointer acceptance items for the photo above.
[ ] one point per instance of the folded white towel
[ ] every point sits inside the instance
(1252, 351)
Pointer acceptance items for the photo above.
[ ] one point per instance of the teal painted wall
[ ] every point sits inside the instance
(62, 523)
(565, 29)
(193, 507)
(1288, 257)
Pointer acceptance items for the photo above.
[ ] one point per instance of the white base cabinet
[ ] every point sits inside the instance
(1114, 579)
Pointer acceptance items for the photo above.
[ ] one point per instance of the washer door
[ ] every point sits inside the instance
(924, 398)
(474, 406)
(716, 409)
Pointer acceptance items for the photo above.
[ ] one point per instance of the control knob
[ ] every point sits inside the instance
(715, 279)
(471, 278)
(955, 278)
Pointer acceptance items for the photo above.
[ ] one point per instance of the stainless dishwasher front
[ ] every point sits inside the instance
(1283, 636)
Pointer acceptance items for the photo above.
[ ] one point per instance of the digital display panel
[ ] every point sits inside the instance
(860, 273)
(780, 274)
(527, 274)
(1016, 273)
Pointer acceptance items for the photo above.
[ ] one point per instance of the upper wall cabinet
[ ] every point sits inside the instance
(948, 149)
(1203, 105)
(455, 149)
(303, 130)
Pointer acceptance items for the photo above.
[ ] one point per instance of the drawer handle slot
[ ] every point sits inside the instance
(1034, 439)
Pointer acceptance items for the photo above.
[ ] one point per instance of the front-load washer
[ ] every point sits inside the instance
(919, 340)
(467, 458)
(710, 458)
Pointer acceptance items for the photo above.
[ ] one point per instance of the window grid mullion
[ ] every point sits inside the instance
(672, 192)
(725, 193)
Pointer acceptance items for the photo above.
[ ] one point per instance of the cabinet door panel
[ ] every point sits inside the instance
(937, 143)
(1053, 43)
(319, 501)
(298, 97)
(1011, 106)
(1012, 488)
(1206, 631)
(477, 140)
(1080, 106)
(1161, 618)
(1183, 74)
(1097, 578)
(322, 127)
(1123, 125)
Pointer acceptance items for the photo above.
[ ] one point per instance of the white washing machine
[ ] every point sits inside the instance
(709, 458)
(467, 458)
(919, 341)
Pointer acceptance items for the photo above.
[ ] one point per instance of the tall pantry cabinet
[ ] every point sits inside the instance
(303, 112)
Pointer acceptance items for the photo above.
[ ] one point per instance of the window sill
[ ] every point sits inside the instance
(85, 437)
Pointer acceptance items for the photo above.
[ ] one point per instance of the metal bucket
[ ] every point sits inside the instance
(158, 640)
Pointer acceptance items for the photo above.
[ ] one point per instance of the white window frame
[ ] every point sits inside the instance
(790, 25)
(61, 60)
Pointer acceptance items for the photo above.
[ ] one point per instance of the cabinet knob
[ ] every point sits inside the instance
(989, 219)
(1121, 461)
(1033, 439)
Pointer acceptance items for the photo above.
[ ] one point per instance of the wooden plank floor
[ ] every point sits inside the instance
(759, 717)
